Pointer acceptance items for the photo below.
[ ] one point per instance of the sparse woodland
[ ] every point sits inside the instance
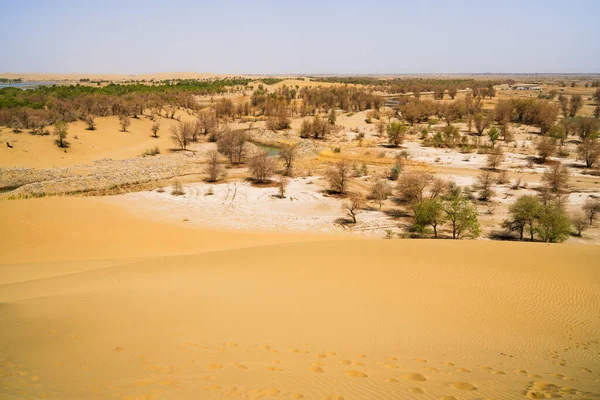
(367, 162)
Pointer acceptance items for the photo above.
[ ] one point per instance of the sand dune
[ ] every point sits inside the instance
(361, 319)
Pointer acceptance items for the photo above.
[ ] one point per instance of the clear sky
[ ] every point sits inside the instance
(289, 37)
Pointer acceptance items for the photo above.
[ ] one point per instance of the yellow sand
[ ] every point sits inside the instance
(153, 311)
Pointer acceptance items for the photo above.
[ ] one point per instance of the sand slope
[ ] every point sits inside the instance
(319, 320)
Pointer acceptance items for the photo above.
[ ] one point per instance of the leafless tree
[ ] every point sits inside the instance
(591, 207)
(411, 185)
(214, 170)
(580, 222)
(125, 122)
(181, 134)
(495, 157)
(90, 122)
(380, 192)
(485, 182)
(356, 202)
(261, 166)
(338, 176)
(232, 144)
(546, 148)
(589, 151)
(556, 178)
(155, 128)
(482, 121)
(287, 154)
(282, 184)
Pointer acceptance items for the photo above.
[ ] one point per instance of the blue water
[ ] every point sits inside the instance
(27, 85)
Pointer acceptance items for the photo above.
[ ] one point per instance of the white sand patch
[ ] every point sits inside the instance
(241, 205)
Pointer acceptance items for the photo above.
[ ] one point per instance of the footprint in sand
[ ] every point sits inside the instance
(213, 387)
(447, 398)
(296, 396)
(448, 364)
(466, 370)
(519, 371)
(390, 365)
(275, 362)
(393, 380)
(462, 386)
(214, 366)
(273, 369)
(414, 376)
(421, 360)
(239, 366)
(498, 372)
(317, 368)
(119, 349)
(356, 374)
(485, 367)
(416, 390)
(331, 353)
(272, 392)
(346, 362)
(321, 355)
(391, 358)
(265, 347)
(358, 363)
(431, 369)
(333, 397)
(299, 351)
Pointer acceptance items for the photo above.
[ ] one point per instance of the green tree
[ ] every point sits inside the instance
(524, 213)
(462, 216)
(554, 224)
(494, 135)
(429, 212)
(396, 132)
(61, 129)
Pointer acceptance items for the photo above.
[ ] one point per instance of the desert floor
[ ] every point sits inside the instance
(100, 301)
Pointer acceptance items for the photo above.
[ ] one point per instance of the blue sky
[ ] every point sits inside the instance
(278, 37)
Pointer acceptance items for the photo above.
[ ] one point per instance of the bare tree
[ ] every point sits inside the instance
(287, 154)
(282, 184)
(591, 207)
(556, 178)
(90, 122)
(181, 134)
(338, 176)
(232, 144)
(261, 166)
(411, 185)
(580, 222)
(214, 170)
(485, 181)
(546, 147)
(495, 158)
(380, 192)
(356, 202)
(589, 151)
(575, 104)
(125, 122)
(155, 128)
(482, 121)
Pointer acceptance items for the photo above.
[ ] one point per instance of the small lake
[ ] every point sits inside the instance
(27, 85)
(272, 151)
